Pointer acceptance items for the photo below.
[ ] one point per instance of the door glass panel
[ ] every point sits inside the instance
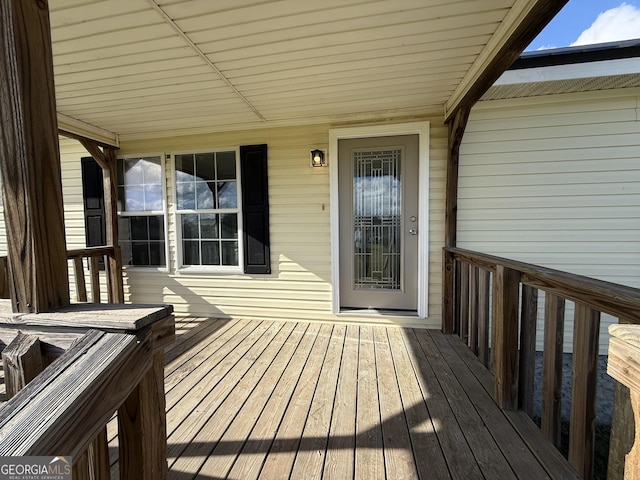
(377, 208)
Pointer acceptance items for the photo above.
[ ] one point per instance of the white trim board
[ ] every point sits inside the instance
(605, 68)
(413, 128)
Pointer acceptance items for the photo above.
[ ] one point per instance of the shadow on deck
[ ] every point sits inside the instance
(250, 399)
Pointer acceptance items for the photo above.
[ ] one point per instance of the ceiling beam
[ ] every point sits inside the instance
(73, 128)
(521, 25)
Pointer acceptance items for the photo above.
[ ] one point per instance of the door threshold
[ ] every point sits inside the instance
(377, 312)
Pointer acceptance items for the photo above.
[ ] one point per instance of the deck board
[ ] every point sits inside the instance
(485, 450)
(341, 444)
(271, 400)
(428, 456)
(249, 463)
(369, 460)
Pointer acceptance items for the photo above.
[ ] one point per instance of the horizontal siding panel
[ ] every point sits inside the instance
(554, 181)
(369, 43)
(254, 86)
(549, 105)
(166, 94)
(137, 82)
(112, 38)
(604, 131)
(482, 214)
(117, 51)
(264, 33)
(481, 125)
(129, 22)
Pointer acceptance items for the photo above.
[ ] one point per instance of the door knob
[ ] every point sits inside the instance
(413, 231)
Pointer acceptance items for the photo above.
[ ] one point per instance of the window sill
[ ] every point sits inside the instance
(210, 270)
(141, 268)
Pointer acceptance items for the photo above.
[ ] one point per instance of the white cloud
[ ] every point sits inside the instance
(620, 23)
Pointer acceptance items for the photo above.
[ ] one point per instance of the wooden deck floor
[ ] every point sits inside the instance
(248, 399)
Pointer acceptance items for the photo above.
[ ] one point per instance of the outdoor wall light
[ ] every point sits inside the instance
(318, 158)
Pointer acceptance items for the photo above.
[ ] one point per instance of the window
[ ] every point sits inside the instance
(208, 213)
(141, 211)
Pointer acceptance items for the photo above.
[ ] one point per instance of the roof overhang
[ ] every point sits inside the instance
(570, 70)
(128, 69)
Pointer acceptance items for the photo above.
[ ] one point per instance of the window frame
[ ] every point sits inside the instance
(149, 213)
(177, 213)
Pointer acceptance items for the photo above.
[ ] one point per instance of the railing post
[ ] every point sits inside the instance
(22, 362)
(506, 285)
(624, 366)
(142, 428)
(448, 294)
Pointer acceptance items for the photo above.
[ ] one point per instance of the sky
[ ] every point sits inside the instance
(585, 22)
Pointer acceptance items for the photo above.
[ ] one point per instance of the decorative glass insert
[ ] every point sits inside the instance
(377, 219)
(207, 201)
(141, 229)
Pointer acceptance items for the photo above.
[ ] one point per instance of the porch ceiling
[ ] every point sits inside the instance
(142, 68)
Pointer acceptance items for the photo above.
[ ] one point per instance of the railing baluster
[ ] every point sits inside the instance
(457, 297)
(505, 336)
(95, 279)
(527, 362)
(4, 278)
(586, 336)
(81, 286)
(464, 302)
(108, 267)
(552, 368)
(473, 310)
(484, 281)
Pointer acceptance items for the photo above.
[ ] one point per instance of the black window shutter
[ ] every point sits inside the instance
(95, 222)
(255, 208)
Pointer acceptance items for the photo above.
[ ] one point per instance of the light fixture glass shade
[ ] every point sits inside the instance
(318, 158)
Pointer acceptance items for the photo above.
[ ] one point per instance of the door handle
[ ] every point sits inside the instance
(413, 231)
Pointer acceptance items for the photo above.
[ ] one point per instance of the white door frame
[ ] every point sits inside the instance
(414, 128)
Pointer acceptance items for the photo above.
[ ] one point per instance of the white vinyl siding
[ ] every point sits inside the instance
(555, 181)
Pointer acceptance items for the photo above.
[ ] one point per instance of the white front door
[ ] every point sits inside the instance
(378, 222)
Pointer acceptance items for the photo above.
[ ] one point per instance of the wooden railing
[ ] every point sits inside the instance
(487, 296)
(115, 366)
(113, 265)
(112, 261)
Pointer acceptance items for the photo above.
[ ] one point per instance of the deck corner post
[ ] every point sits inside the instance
(22, 362)
(505, 336)
(624, 366)
(32, 184)
(143, 429)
